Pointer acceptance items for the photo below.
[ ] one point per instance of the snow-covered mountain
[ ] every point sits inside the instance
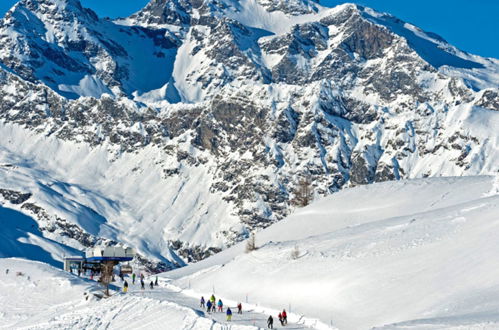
(187, 125)
(68, 48)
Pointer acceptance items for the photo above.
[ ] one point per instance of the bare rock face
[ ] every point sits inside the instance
(489, 100)
(345, 97)
(14, 197)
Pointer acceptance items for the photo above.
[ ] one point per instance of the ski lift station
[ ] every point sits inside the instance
(95, 258)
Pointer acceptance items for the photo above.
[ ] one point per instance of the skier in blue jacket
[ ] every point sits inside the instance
(208, 306)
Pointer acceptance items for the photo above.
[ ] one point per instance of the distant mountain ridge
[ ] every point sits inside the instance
(198, 118)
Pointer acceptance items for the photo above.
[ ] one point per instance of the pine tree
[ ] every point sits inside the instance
(303, 193)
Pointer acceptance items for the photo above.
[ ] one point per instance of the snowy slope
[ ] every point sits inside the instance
(41, 292)
(42, 297)
(418, 254)
(83, 187)
(21, 238)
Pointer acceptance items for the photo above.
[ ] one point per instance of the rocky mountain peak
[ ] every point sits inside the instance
(52, 19)
(161, 12)
(55, 9)
(291, 7)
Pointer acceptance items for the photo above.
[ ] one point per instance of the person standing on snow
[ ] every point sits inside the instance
(125, 287)
(229, 314)
(213, 301)
(156, 282)
(208, 306)
(133, 278)
(202, 302)
(239, 308)
(284, 317)
(220, 306)
(151, 285)
(270, 322)
(281, 319)
(142, 284)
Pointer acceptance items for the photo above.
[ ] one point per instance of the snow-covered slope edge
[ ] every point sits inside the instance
(370, 256)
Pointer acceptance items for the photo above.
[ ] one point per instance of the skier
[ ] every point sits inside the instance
(133, 278)
(202, 302)
(281, 319)
(151, 285)
(220, 305)
(270, 322)
(125, 287)
(208, 306)
(213, 301)
(156, 282)
(239, 308)
(7, 271)
(229, 314)
(284, 317)
(142, 284)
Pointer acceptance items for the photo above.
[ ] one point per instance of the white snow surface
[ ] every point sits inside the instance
(417, 254)
(34, 295)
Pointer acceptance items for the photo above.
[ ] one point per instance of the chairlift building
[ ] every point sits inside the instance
(101, 259)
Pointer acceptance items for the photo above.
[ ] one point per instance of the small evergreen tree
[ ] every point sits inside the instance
(303, 193)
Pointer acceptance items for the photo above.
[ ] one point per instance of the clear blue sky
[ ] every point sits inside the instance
(471, 25)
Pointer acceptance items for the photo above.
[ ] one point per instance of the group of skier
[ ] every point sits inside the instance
(212, 306)
(142, 283)
(283, 318)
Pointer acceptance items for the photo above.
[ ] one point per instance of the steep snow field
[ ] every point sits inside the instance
(120, 199)
(20, 237)
(407, 254)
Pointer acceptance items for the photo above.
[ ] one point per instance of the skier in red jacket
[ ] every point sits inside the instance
(284, 317)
